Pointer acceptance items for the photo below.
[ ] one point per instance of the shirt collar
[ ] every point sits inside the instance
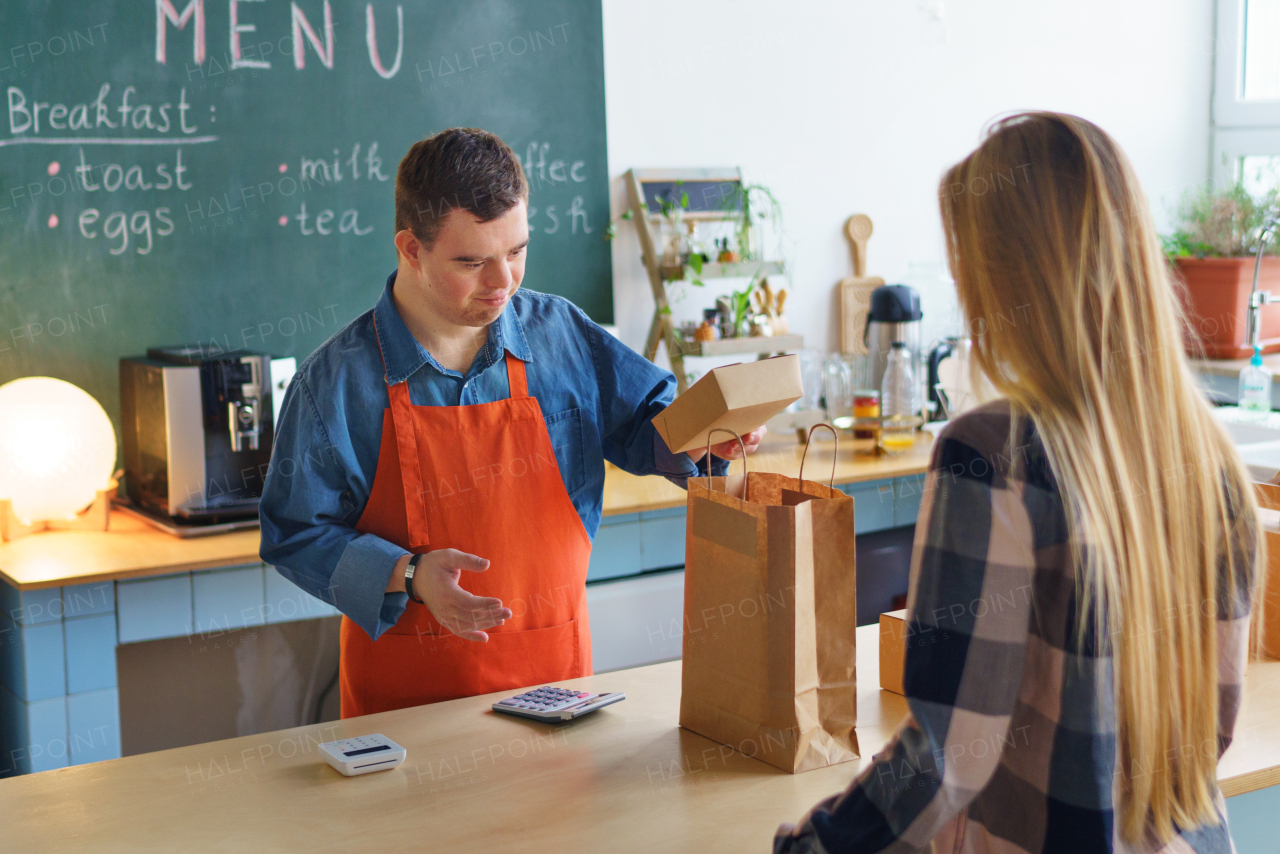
(402, 355)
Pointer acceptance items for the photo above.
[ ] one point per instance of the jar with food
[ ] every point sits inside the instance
(866, 404)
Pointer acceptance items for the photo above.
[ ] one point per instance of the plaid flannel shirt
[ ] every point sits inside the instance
(1010, 742)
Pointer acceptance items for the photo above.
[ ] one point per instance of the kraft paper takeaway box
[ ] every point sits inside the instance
(736, 397)
(893, 649)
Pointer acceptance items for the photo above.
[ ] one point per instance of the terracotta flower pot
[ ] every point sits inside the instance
(1216, 301)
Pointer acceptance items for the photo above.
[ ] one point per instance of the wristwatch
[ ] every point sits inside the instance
(408, 578)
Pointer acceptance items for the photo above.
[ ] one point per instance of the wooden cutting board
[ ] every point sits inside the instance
(855, 291)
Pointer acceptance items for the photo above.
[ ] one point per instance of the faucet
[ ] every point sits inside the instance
(1257, 298)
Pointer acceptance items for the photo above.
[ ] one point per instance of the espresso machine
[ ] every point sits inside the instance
(895, 315)
(197, 429)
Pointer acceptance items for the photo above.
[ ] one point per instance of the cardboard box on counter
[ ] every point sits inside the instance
(735, 397)
(893, 649)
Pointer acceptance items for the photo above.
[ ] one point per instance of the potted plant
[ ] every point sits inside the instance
(1213, 251)
(749, 205)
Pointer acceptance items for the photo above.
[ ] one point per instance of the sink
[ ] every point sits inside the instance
(1243, 433)
(1258, 443)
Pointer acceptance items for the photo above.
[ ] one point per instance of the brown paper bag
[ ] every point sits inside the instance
(770, 613)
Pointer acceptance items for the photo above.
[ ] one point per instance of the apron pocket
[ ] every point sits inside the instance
(533, 657)
(401, 670)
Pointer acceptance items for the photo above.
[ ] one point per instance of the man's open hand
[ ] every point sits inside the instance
(467, 616)
(729, 450)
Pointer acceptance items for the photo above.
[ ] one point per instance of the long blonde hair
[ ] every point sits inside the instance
(1075, 320)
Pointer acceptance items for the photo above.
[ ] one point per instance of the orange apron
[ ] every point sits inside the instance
(482, 479)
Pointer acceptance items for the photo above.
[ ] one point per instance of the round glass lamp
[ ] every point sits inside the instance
(57, 448)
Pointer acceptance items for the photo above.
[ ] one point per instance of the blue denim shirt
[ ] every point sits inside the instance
(598, 398)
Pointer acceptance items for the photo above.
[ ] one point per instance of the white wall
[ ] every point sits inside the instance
(845, 107)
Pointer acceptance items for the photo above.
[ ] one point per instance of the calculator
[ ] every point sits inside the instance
(555, 704)
(363, 754)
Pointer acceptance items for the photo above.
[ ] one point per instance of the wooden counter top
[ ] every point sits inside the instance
(627, 493)
(624, 779)
(132, 549)
(129, 548)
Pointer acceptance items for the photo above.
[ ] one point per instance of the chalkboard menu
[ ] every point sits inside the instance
(221, 172)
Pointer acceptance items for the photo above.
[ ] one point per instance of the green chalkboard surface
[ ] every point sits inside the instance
(222, 171)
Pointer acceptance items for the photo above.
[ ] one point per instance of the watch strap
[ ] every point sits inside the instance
(409, 572)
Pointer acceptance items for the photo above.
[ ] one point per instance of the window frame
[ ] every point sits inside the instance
(1231, 144)
(1229, 109)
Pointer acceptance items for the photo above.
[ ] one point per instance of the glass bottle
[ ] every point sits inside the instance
(897, 401)
(837, 388)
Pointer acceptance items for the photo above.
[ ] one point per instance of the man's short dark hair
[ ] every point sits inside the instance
(457, 168)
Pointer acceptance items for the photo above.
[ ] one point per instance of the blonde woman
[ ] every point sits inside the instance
(1084, 560)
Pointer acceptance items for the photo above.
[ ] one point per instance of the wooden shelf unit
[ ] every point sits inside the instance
(736, 270)
(735, 346)
(661, 329)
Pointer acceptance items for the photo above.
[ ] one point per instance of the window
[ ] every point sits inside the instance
(1261, 55)
(1259, 172)
(1246, 94)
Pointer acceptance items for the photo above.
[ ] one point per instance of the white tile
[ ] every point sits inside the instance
(46, 746)
(616, 549)
(662, 539)
(93, 726)
(96, 597)
(154, 608)
(91, 652)
(287, 601)
(30, 607)
(228, 599)
(32, 663)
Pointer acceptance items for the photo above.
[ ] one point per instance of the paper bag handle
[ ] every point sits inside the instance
(834, 456)
(745, 472)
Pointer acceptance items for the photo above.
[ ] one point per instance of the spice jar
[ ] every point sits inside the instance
(866, 404)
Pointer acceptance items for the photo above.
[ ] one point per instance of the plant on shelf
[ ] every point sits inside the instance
(672, 208)
(740, 303)
(1213, 250)
(679, 248)
(753, 203)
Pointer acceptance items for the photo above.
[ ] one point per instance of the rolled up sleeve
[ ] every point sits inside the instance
(632, 391)
(308, 513)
